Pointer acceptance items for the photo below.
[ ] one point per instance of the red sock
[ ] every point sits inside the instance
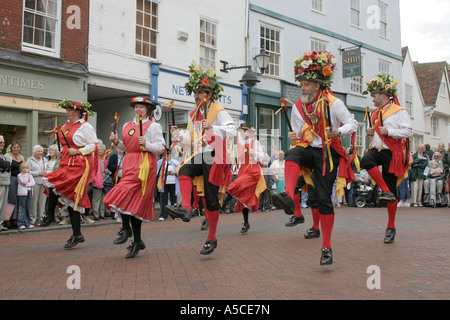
(186, 191)
(392, 211)
(376, 175)
(291, 175)
(316, 218)
(298, 210)
(213, 219)
(327, 222)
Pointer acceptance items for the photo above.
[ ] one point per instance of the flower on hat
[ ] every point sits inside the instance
(201, 78)
(316, 66)
(67, 103)
(382, 83)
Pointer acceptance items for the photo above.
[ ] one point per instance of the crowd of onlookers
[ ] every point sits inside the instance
(23, 199)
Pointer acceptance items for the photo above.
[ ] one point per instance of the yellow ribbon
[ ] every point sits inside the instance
(79, 189)
(144, 168)
(321, 102)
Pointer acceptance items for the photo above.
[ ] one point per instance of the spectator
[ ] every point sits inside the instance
(24, 195)
(404, 189)
(417, 176)
(171, 185)
(5, 180)
(428, 151)
(14, 156)
(440, 176)
(53, 164)
(278, 170)
(38, 168)
(441, 149)
(98, 207)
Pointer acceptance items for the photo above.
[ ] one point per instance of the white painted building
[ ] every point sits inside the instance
(143, 47)
(289, 28)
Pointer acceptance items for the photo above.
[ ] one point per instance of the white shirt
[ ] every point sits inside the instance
(154, 139)
(339, 115)
(398, 125)
(85, 137)
(258, 155)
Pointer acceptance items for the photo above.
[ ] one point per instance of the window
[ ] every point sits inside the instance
(435, 127)
(383, 19)
(271, 42)
(360, 141)
(408, 99)
(384, 67)
(443, 89)
(356, 83)
(355, 12)
(208, 44)
(41, 27)
(269, 129)
(318, 45)
(317, 5)
(146, 28)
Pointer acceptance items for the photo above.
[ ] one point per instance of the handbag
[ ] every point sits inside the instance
(9, 209)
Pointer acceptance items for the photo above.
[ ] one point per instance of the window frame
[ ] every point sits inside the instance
(150, 30)
(39, 49)
(273, 48)
(385, 34)
(322, 5)
(434, 127)
(358, 10)
(207, 47)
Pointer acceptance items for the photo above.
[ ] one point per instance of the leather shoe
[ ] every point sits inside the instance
(312, 233)
(283, 201)
(73, 241)
(327, 256)
(387, 197)
(245, 227)
(178, 212)
(294, 220)
(45, 222)
(134, 249)
(209, 247)
(122, 236)
(205, 225)
(389, 235)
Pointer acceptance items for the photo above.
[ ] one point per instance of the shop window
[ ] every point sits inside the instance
(46, 123)
(269, 133)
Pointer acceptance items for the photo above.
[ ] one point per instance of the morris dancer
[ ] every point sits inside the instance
(208, 168)
(390, 129)
(250, 180)
(319, 119)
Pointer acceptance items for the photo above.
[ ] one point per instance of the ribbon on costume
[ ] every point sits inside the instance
(116, 121)
(55, 132)
(283, 103)
(161, 179)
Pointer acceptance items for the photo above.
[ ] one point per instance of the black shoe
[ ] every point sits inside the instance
(294, 220)
(389, 235)
(73, 241)
(178, 212)
(245, 227)
(387, 197)
(327, 256)
(194, 212)
(134, 249)
(45, 222)
(283, 201)
(209, 247)
(122, 236)
(205, 225)
(312, 233)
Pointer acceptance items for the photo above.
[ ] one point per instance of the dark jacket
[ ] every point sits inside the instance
(418, 166)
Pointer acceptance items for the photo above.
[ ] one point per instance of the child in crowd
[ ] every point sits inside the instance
(436, 170)
(24, 193)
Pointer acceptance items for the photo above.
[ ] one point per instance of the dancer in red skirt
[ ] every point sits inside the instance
(132, 198)
(250, 180)
(69, 184)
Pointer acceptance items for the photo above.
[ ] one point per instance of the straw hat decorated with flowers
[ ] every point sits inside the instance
(316, 66)
(203, 79)
(85, 108)
(382, 83)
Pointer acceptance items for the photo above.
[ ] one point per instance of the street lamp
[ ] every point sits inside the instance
(262, 60)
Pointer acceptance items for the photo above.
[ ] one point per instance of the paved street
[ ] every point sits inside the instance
(271, 262)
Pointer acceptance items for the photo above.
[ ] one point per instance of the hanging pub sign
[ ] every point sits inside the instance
(351, 62)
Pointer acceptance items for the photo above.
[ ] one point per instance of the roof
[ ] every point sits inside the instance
(429, 76)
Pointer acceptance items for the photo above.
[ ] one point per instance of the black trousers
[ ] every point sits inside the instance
(199, 165)
(168, 189)
(319, 197)
(374, 158)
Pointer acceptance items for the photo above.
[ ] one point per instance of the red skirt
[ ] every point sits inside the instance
(243, 188)
(126, 197)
